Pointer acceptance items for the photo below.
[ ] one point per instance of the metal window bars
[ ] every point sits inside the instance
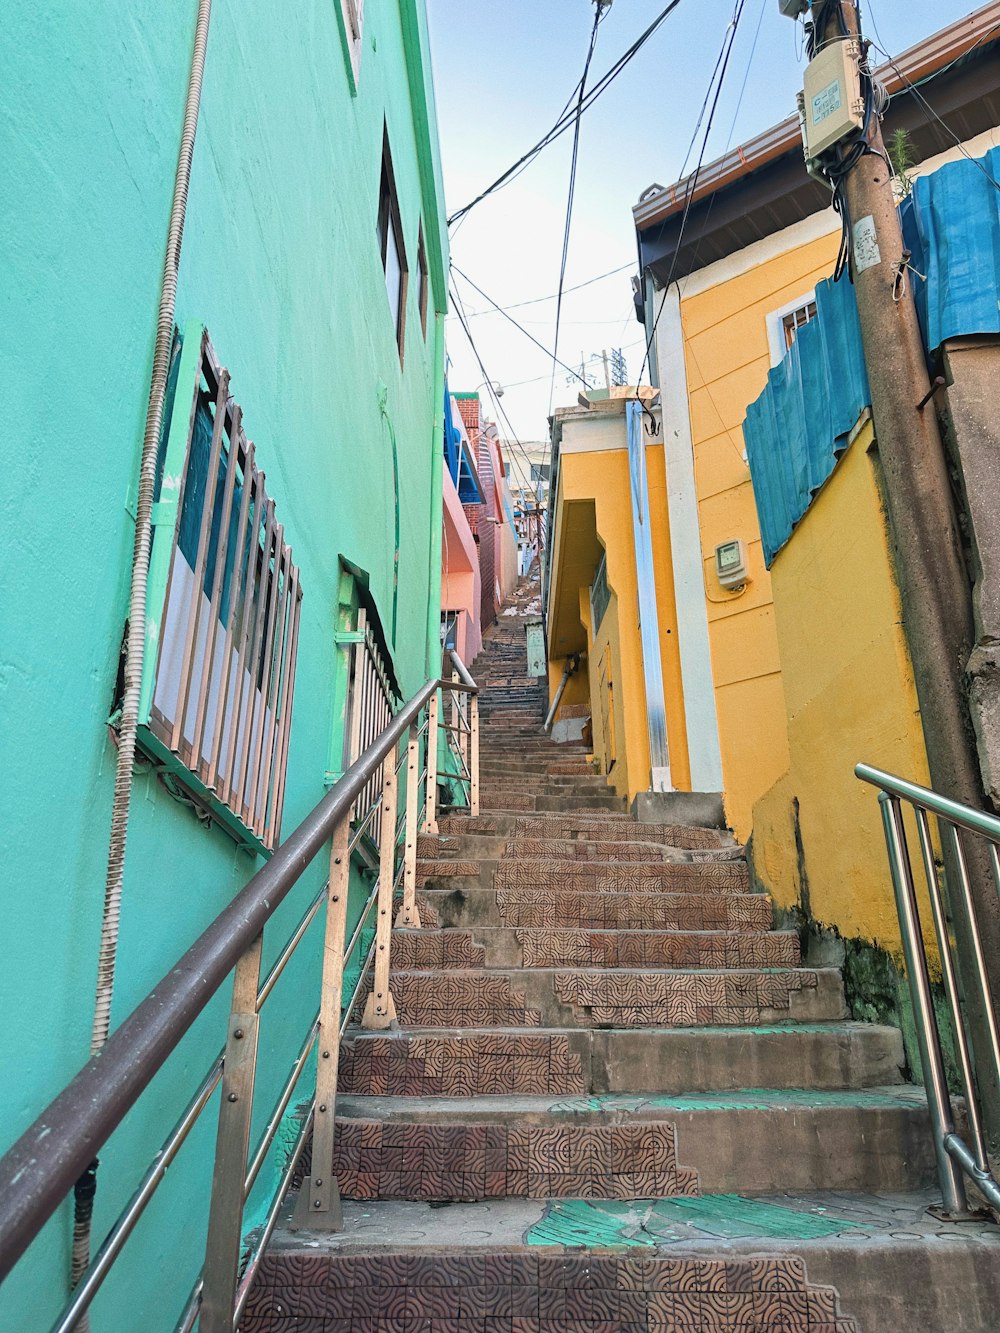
(372, 702)
(40, 1170)
(228, 631)
(945, 890)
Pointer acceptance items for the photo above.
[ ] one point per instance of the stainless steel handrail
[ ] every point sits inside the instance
(954, 1157)
(41, 1168)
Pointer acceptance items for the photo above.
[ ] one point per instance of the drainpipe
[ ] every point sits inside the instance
(433, 664)
(136, 635)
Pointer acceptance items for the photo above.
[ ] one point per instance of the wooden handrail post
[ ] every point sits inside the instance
(225, 1215)
(380, 1008)
(430, 805)
(409, 914)
(474, 754)
(319, 1198)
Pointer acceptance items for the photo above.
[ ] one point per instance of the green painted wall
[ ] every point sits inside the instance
(281, 263)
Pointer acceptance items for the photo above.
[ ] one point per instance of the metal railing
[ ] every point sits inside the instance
(955, 1159)
(41, 1169)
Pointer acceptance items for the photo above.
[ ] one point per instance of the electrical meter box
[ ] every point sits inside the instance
(834, 105)
(731, 564)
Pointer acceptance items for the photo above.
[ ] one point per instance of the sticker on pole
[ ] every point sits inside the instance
(866, 251)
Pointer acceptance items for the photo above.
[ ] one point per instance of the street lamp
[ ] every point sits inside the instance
(493, 385)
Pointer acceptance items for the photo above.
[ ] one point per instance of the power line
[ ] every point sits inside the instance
(915, 90)
(513, 321)
(460, 311)
(721, 65)
(565, 119)
(599, 12)
(539, 300)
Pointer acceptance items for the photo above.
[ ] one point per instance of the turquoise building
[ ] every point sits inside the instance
(296, 522)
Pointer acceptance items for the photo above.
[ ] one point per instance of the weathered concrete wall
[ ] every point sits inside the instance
(969, 407)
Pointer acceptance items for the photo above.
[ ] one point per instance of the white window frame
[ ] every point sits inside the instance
(775, 325)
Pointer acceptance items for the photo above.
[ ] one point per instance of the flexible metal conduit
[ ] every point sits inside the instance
(136, 634)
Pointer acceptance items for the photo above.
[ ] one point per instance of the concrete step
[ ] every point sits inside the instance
(821, 1261)
(631, 1146)
(616, 997)
(503, 947)
(470, 1062)
(708, 876)
(517, 848)
(544, 909)
(503, 798)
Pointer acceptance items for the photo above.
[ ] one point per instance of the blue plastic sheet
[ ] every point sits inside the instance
(800, 425)
(951, 223)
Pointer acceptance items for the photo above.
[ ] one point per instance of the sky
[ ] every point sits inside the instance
(503, 72)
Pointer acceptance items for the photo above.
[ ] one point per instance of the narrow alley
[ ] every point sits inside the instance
(617, 1098)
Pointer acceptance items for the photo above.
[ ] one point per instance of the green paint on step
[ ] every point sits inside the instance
(751, 1099)
(611, 1222)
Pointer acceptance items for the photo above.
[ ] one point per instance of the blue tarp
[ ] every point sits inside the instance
(457, 460)
(799, 426)
(951, 223)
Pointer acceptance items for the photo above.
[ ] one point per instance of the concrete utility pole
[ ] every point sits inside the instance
(933, 580)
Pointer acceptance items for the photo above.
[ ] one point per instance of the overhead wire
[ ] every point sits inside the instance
(599, 12)
(712, 94)
(540, 300)
(512, 320)
(914, 88)
(566, 119)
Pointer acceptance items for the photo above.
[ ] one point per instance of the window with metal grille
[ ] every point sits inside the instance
(224, 599)
(795, 319)
(783, 324)
(600, 594)
(372, 701)
(393, 252)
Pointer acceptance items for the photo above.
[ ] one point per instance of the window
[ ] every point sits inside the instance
(224, 604)
(784, 324)
(373, 698)
(390, 234)
(422, 267)
(600, 595)
(353, 14)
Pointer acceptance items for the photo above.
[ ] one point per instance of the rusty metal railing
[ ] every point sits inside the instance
(956, 1161)
(40, 1170)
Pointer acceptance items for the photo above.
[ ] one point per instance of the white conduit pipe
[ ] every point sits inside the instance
(135, 645)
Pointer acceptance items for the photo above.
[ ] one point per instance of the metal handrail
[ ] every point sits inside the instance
(463, 672)
(954, 1157)
(42, 1167)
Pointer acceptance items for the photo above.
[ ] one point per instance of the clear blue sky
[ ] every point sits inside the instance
(502, 74)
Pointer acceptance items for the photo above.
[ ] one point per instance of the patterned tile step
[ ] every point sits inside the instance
(459, 1064)
(675, 835)
(541, 1292)
(632, 948)
(445, 868)
(618, 998)
(462, 999)
(522, 847)
(631, 911)
(413, 950)
(704, 877)
(376, 1159)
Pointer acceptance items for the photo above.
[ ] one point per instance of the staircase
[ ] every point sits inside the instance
(618, 1100)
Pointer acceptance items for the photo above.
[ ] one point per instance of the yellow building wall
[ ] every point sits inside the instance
(849, 697)
(727, 358)
(603, 475)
